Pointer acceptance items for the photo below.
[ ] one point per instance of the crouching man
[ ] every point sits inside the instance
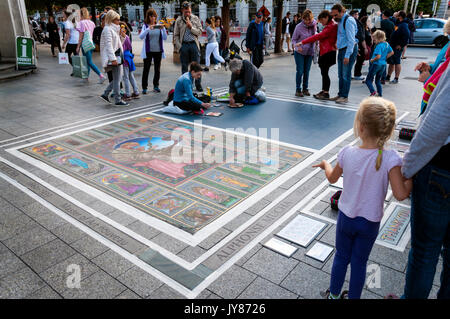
(246, 83)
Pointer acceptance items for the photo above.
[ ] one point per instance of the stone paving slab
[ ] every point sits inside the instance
(264, 289)
(140, 281)
(232, 283)
(20, 284)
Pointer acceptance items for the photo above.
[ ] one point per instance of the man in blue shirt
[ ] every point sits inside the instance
(255, 40)
(347, 45)
(183, 96)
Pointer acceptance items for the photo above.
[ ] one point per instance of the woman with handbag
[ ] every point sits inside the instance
(304, 54)
(111, 53)
(86, 29)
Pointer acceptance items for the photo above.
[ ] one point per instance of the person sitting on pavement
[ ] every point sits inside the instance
(246, 83)
(183, 96)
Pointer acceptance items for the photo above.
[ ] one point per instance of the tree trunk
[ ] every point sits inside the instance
(278, 48)
(146, 6)
(226, 20)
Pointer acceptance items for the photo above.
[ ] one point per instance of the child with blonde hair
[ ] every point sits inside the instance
(378, 62)
(367, 170)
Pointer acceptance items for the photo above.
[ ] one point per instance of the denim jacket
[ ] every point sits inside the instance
(183, 89)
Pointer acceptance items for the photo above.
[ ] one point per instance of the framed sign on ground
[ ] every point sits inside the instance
(302, 230)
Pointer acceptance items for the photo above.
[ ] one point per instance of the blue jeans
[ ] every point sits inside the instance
(90, 63)
(354, 241)
(303, 63)
(240, 87)
(375, 71)
(430, 233)
(345, 71)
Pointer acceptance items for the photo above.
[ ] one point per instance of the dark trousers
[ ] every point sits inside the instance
(55, 43)
(359, 61)
(188, 105)
(257, 56)
(326, 82)
(71, 49)
(189, 53)
(430, 233)
(156, 57)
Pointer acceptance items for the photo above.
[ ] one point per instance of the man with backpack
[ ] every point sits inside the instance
(362, 46)
(347, 44)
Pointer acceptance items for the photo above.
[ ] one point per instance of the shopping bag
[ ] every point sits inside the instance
(80, 67)
(63, 58)
(87, 43)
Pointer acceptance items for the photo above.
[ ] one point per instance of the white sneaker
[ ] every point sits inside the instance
(216, 67)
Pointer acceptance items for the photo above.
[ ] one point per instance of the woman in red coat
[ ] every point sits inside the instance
(327, 57)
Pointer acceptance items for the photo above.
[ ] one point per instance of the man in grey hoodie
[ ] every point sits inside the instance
(428, 162)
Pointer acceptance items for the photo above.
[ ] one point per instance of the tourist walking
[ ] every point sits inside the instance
(72, 36)
(368, 170)
(86, 29)
(154, 36)
(53, 35)
(427, 163)
(296, 20)
(285, 35)
(128, 65)
(304, 54)
(362, 46)
(377, 66)
(111, 53)
(255, 40)
(267, 36)
(347, 44)
(185, 36)
(212, 46)
(327, 54)
(399, 39)
(222, 36)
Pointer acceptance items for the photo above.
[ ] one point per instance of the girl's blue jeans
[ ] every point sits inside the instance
(375, 71)
(90, 63)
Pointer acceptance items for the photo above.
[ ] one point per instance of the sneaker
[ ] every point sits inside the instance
(358, 78)
(216, 67)
(206, 69)
(388, 78)
(135, 96)
(306, 92)
(156, 89)
(144, 91)
(122, 103)
(335, 98)
(322, 96)
(342, 100)
(127, 98)
(105, 99)
(373, 94)
(394, 81)
(299, 93)
(102, 79)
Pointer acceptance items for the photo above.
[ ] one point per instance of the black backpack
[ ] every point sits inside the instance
(359, 33)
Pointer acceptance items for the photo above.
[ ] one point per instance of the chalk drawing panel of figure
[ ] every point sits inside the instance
(253, 171)
(209, 194)
(79, 164)
(105, 147)
(146, 120)
(123, 183)
(230, 181)
(150, 195)
(197, 216)
(71, 142)
(46, 150)
(91, 136)
(170, 204)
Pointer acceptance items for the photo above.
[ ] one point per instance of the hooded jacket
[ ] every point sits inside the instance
(302, 32)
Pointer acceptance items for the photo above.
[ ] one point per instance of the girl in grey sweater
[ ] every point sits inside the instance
(212, 46)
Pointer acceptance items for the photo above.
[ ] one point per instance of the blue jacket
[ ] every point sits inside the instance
(183, 89)
(253, 35)
(400, 36)
(128, 56)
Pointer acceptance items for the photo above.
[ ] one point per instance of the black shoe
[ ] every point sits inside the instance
(105, 98)
(122, 103)
(206, 69)
(156, 89)
(299, 93)
(306, 93)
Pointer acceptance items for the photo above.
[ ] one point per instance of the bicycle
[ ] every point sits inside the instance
(244, 45)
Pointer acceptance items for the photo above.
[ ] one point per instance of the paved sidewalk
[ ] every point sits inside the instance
(38, 242)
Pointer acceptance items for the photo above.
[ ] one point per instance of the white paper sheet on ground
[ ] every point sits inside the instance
(302, 230)
(280, 247)
(320, 252)
(339, 183)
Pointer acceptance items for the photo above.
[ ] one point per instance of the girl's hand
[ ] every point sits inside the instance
(321, 165)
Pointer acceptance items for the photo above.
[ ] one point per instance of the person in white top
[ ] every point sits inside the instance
(72, 36)
(111, 53)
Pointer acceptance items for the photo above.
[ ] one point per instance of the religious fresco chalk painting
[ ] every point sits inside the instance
(132, 161)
